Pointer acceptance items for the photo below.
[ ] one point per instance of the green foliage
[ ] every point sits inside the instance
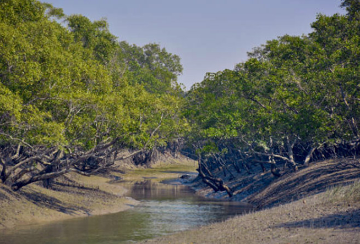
(15, 12)
(352, 8)
(66, 87)
(151, 66)
(292, 92)
(94, 36)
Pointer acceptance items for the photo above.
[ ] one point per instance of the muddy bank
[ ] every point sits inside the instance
(85, 196)
(75, 195)
(318, 204)
(329, 217)
(265, 190)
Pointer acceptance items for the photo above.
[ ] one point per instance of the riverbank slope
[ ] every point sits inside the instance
(318, 204)
(330, 217)
(263, 189)
(82, 196)
(78, 196)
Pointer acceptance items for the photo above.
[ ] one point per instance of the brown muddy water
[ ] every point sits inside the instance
(163, 209)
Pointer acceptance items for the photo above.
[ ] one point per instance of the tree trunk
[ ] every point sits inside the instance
(18, 185)
(291, 154)
(308, 156)
(205, 180)
(3, 171)
(48, 182)
(215, 183)
(275, 171)
(236, 166)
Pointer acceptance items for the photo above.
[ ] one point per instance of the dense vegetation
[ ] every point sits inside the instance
(74, 98)
(294, 99)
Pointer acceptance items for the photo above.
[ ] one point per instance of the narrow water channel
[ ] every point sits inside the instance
(164, 209)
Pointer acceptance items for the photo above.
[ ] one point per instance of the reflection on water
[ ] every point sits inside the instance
(164, 209)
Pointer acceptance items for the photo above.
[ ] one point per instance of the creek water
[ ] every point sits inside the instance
(163, 209)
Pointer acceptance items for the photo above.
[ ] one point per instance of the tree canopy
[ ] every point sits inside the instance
(295, 98)
(70, 96)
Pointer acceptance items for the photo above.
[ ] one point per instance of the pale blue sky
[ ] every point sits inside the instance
(208, 35)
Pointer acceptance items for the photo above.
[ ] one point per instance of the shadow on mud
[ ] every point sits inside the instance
(343, 220)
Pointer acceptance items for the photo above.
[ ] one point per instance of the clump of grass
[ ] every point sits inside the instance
(345, 194)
